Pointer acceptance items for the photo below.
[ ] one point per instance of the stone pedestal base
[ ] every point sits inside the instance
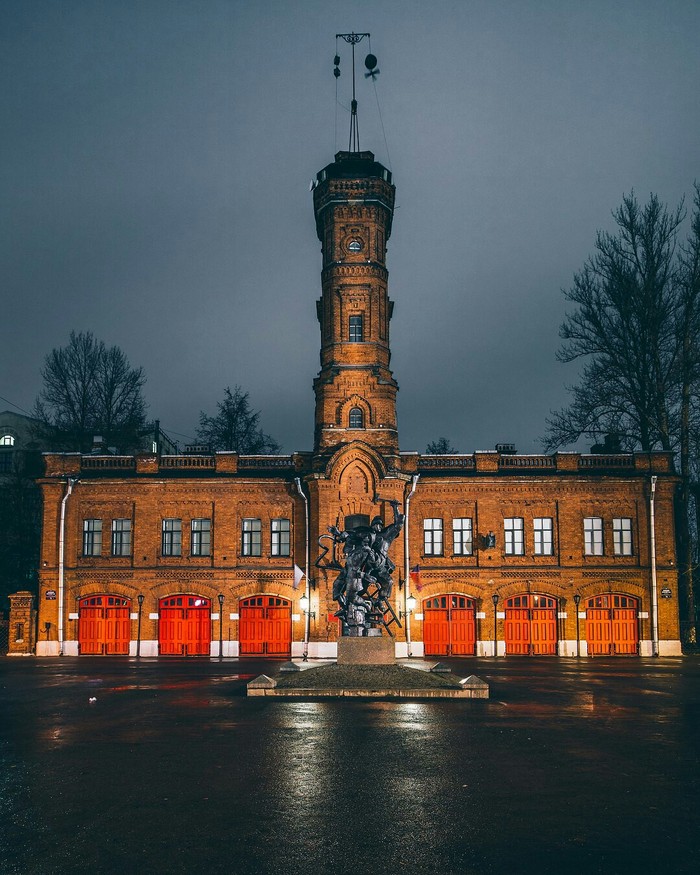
(366, 651)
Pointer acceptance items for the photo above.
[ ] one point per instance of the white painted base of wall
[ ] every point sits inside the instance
(670, 648)
(47, 648)
(70, 648)
(320, 649)
(148, 648)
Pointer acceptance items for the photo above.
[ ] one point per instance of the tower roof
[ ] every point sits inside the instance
(354, 165)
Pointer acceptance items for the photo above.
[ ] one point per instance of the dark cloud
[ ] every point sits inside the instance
(156, 160)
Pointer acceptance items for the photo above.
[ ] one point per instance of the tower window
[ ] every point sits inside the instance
(356, 419)
(356, 329)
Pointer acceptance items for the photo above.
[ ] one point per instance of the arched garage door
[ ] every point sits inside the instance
(104, 626)
(611, 625)
(449, 626)
(531, 625)
(184, 626)
(265, 626)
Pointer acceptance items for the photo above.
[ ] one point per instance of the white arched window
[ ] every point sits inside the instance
(357, 419)
(7, 440)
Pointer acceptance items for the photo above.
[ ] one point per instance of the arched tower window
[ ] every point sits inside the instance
(356, 419)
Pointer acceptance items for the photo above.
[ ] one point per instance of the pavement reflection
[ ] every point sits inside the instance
(164, 766)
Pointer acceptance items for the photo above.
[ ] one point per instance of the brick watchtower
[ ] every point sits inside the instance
(355, 389)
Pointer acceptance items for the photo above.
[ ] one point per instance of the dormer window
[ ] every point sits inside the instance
(7, 440)
(356, 419)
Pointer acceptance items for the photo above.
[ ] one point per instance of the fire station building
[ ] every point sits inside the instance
(199, 554)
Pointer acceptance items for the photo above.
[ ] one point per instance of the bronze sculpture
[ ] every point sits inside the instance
(363, 587)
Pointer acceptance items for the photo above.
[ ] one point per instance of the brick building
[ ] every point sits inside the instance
(195, 554)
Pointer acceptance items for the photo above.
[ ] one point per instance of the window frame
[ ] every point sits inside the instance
(278, 541)
(92, 545)
(623, 546)
(462, 536)
(356, 412)
(514, 536)
(592, 545)
(433, 536)
(121, 537)
(543, 545)
(171, 540)
(356, 328)
(200, 536)
(250, 544)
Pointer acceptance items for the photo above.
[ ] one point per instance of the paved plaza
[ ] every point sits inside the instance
(164, 766)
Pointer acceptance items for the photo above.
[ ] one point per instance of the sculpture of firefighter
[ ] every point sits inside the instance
(363, 587)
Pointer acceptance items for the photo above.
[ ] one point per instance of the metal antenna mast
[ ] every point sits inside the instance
(371, 64)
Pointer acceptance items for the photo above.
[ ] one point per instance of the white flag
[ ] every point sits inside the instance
(298, 574)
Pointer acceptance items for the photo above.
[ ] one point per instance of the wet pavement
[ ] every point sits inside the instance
(572, 766)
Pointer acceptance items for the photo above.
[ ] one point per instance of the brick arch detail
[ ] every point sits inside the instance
(342, 412)
(356, 452)
(618, 587)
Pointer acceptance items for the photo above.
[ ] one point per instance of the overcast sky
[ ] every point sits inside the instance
(154, 189)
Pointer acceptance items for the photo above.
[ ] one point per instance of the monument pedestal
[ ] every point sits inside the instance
(366, 651)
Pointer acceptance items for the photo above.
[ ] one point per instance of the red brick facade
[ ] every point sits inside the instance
(138, 553)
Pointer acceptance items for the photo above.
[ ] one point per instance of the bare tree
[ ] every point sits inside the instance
(90, 389)
(636, 326)
(440, 447)
(624, 328)
(235, 426)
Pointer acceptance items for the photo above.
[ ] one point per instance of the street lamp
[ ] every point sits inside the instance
(410, 607)
(305, 604)
(577, 600)
(221, 624)
(139, 599)
(494, 599)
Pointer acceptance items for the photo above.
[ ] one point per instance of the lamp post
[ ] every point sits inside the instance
(494, 599)
(305, 604)
(139, 599)
(577, 600)
(221, 624)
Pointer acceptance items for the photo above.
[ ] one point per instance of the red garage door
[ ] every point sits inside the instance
(449, 626)
(531, 625)
(611, 625)
(104, 626)
(265, 626)
(184, 626)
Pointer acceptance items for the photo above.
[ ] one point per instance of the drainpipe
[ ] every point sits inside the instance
(654, 591)
(307, 592)
(407, 566)
(61, 554)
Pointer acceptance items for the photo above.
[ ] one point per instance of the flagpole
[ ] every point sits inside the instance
(407, 567)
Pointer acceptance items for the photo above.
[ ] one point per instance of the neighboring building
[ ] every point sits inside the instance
(19, 445)
(195, 554)
(20, 514)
